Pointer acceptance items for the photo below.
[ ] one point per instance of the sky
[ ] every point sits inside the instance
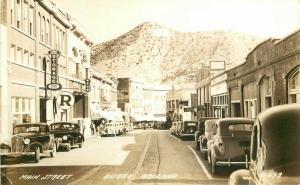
(107, 19)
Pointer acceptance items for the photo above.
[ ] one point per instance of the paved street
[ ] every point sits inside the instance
(140, 157)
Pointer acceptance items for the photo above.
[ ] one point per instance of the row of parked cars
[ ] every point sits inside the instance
(268, 146)
(30, 140)
(184, 129)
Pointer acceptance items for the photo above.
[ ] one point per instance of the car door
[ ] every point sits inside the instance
(45, 137)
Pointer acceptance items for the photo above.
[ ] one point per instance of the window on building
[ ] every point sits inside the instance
(31, 20)
(18, 14)
(12, 53)
(19, 56)
(40, 26)
(25, 58)
(31, 60)
(22, 110)
(57, 38)
(25, 16)
(43, 28)
(12, 12)
(47, 28)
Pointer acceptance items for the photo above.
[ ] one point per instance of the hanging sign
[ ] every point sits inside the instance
(65, 100)
(54, 84)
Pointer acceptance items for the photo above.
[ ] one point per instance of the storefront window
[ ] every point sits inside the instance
(22, 110)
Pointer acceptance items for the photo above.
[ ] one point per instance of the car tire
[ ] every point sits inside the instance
(213, 165)
(68, 148)
(37, 154)
(53, 152)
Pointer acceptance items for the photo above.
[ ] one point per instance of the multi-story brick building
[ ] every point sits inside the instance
(181, 104)
(269, 77)
(33, 28)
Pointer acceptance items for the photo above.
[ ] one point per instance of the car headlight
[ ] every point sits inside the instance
(65, 137)
(26, 141)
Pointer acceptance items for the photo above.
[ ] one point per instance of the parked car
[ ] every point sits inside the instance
(209, 130)
(68, 134)
(173, 128)
(275, 148)
(31, 140)
(188, 129)
(200, 130)
(109, 129)
(230, 145)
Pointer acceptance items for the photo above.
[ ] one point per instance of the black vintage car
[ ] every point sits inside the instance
(30, 140)
(200, 130)
(275, 149)
(187, 129)
(68, 134)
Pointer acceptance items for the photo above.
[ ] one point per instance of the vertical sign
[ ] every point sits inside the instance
(87, 81)
(54, 84)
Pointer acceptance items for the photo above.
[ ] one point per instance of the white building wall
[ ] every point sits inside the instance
(4, 114)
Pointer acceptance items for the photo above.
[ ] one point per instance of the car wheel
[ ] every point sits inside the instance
(53, 152)
(68, 148)
(213, 165)
(37, 154)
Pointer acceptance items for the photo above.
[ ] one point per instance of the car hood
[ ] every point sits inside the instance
(288, 174)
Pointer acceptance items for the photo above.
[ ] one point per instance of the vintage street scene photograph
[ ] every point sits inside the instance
(150, 92)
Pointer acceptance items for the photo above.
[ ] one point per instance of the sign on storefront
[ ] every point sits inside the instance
(87, 85)
(54, 84)
(65, 100)
(189, 109)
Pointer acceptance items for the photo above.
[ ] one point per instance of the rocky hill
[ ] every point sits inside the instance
(155, 53)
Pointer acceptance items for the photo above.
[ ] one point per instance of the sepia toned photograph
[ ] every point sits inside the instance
(150, 92)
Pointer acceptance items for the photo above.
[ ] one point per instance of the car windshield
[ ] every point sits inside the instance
(240, 127)
(26, 129)
(190, 124)
(61, 126)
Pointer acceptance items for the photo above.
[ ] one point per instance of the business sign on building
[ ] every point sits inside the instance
(65, 100)
(54, 84)
(87, 85)
(189, 109)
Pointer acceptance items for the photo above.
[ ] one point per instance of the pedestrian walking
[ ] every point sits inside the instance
(92, 129)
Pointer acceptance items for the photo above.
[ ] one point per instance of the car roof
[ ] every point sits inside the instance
(277, 113)
(62, 122)
(237, 120)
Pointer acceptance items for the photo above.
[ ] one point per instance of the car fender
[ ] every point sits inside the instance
(34, 144)
(215, 151)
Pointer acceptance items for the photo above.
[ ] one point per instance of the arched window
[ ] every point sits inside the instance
(43, 29)
(293, 80)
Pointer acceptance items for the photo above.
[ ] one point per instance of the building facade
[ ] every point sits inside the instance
(33, 28)
(180, 106)
(269, 77)
(154, 103)
(130, 97)
(219, 95)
